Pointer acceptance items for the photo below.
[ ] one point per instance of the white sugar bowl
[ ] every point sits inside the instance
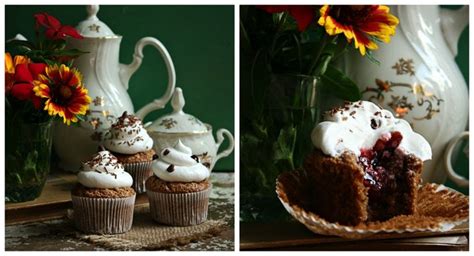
(168, 129)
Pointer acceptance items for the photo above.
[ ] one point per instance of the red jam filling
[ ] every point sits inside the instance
(382, 165)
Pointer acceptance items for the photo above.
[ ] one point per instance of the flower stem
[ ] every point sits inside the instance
(318, 54)
(321, 68)
(320, 64)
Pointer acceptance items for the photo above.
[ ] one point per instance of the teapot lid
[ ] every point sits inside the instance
(92, 26)
(178, 121)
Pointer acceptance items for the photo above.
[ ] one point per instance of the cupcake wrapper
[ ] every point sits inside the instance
(438, 209)
(184, 209)
(103, 215)
(140, 173)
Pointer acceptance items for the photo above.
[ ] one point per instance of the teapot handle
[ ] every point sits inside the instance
(126, 71)
(456, 178)
(220, 138)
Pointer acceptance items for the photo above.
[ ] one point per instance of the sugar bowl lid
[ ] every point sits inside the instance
(178, 121)
(92, 26)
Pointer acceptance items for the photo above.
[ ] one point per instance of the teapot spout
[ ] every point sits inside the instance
(453, 23)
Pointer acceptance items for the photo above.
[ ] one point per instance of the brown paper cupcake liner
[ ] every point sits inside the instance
(179, 209)
(103, 215)
(438, 209)
(140, 173)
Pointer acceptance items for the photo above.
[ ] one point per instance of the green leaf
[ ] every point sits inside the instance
(285, 145)
(69, 52)
(49, 62)
(337, 83)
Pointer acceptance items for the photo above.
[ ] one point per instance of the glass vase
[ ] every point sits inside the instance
(276, 140)
(27, 158)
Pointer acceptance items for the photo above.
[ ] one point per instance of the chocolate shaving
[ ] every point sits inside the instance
(170, 168)
(166, 152)
(195, 158)
(375, 123)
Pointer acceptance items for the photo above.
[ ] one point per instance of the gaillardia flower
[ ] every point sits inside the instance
(64, 91)
(362, 23)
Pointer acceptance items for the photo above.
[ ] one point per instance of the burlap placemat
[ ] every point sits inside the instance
(147, 234)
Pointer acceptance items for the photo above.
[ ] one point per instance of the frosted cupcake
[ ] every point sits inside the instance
(103, 201)
(133, 147)
(179, 190)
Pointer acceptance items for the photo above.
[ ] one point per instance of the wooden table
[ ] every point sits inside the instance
(295, 236)
(41, 225)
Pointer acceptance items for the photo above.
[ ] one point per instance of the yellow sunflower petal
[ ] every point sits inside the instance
(323, 15)
(41, 89)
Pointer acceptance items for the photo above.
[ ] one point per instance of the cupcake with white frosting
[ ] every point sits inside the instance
(103, 201)
(133, 147)
(179, 189)
(366, 165)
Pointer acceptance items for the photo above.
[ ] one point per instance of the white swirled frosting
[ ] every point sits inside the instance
(359, 125)
(178, 164)
(127, 136)
(104, 171)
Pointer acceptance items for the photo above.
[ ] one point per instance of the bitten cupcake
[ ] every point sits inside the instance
(179, 190)
(133, 147)
(103, 201)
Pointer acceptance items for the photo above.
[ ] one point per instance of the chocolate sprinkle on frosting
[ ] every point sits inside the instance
(166, 152)
(195, 158)
(155, 156)
(373, 124)
(170, 168)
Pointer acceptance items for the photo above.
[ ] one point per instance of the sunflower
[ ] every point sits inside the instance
(64, 91)
(364, 24)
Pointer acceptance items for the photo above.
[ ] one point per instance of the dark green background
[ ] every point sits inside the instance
(200, 40)
(461, 164)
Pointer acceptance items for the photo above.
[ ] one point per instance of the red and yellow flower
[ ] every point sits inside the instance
(303, 14)
(362, 23)
(20, 73)
(64, 92)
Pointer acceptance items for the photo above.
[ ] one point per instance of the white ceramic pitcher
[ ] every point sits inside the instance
(418, 80)
(107, 82)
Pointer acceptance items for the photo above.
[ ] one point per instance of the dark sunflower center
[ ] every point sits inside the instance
(62, 94)
(350, 15)
(65, 91)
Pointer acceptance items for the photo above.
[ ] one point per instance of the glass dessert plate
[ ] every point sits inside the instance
(438, 209)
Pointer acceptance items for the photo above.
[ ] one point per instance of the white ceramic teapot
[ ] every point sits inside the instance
(168, 129)
(418, 80)
(107, 82)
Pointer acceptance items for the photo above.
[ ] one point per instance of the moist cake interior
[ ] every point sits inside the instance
(386, 177)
